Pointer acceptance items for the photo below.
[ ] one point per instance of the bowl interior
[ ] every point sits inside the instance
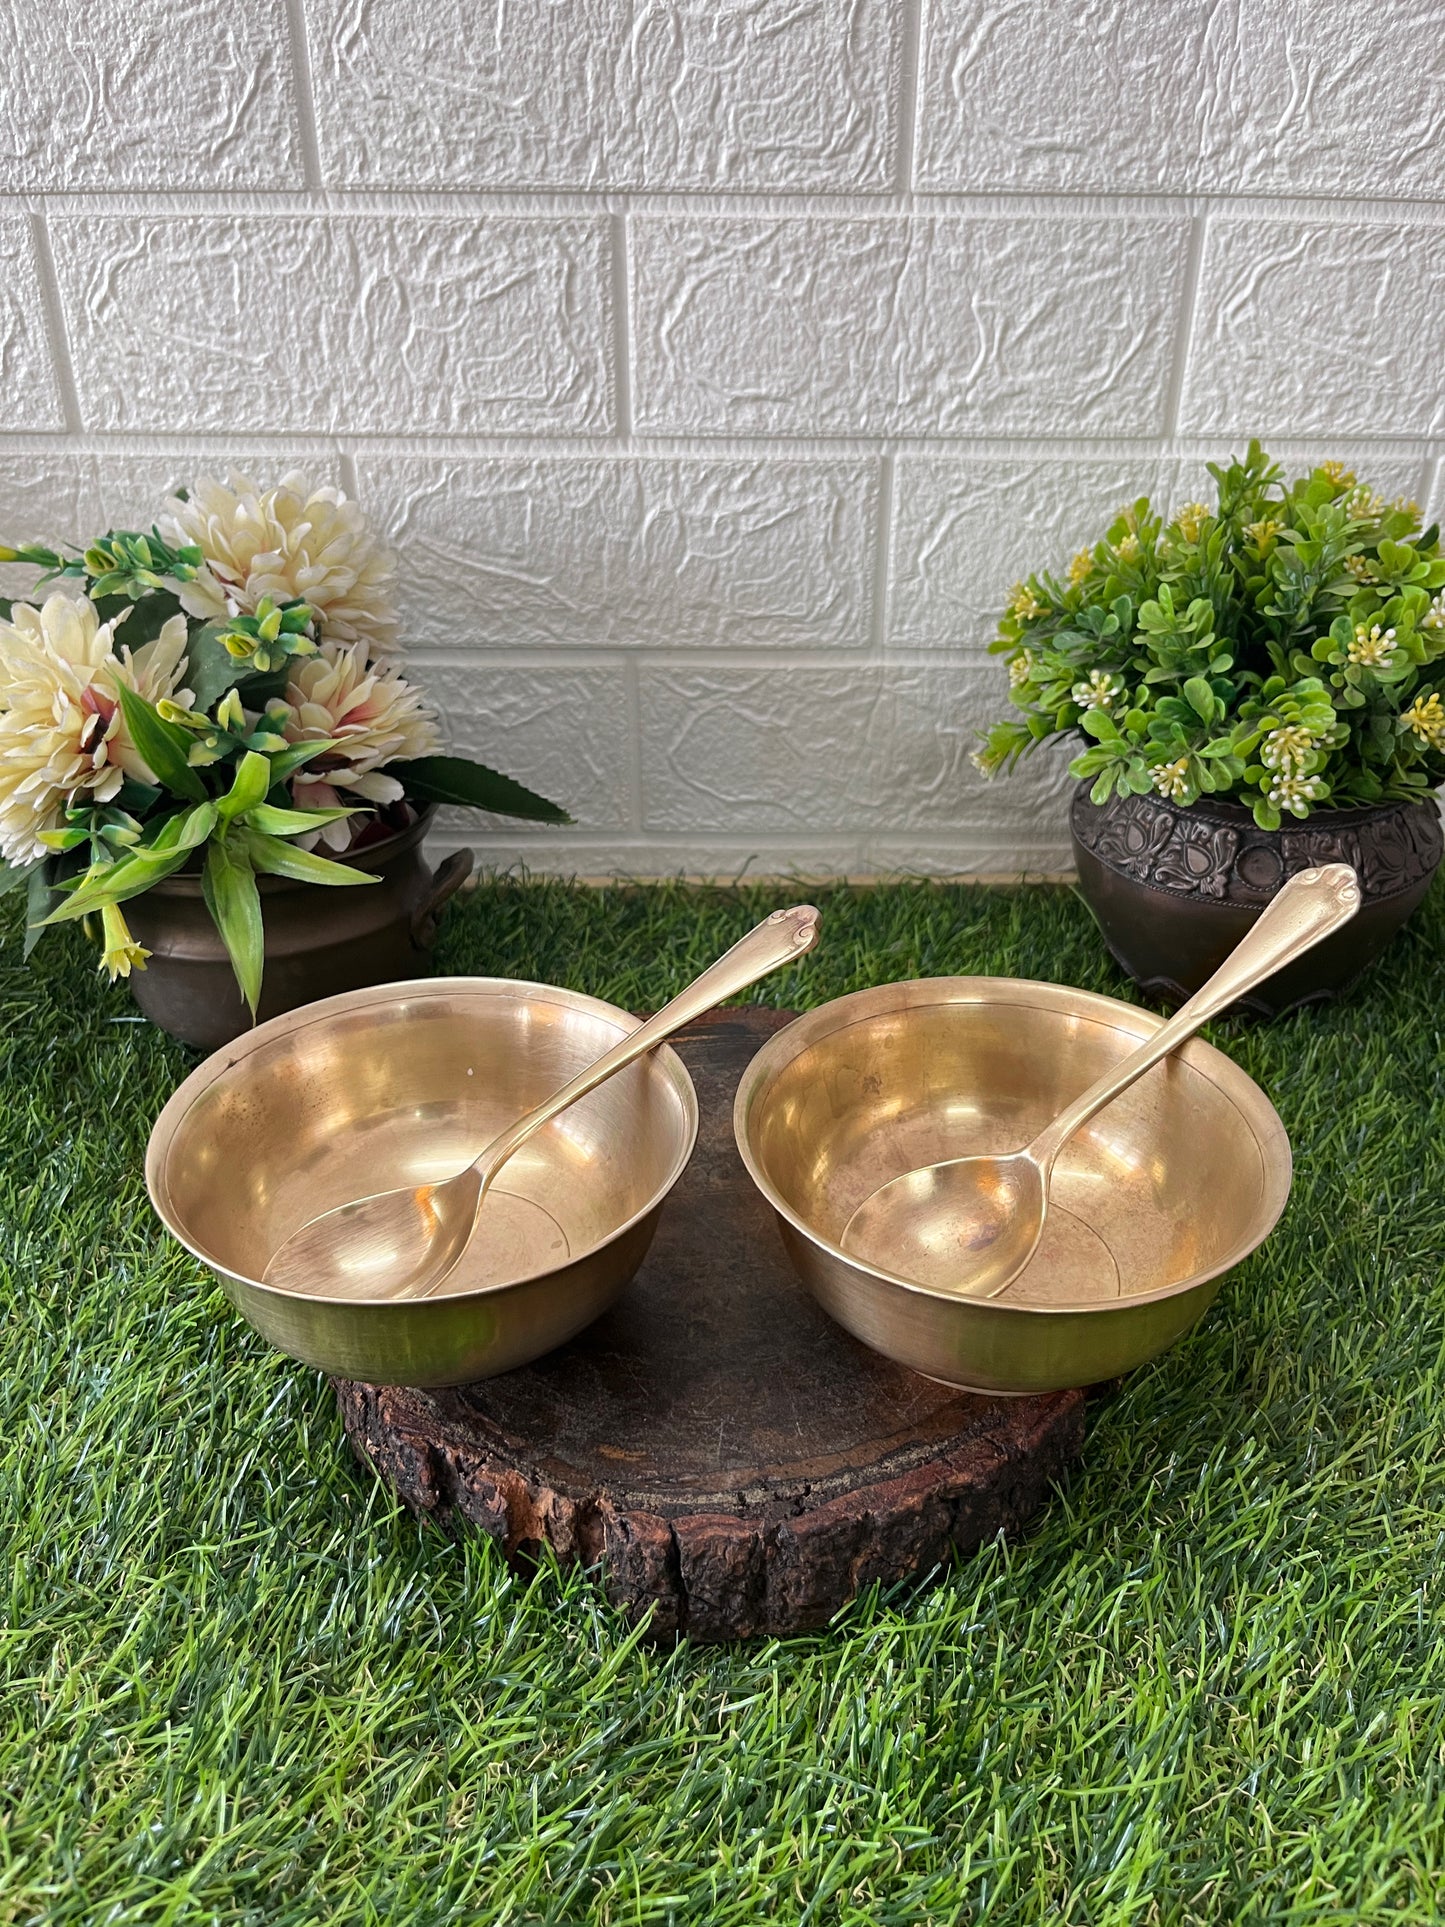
(404, 1085)
(1171, 1182)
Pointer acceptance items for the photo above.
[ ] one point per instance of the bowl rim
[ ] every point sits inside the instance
(859, 1006)
(509, 989)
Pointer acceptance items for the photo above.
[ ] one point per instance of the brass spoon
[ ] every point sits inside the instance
(402, 1244)
(971, 1225)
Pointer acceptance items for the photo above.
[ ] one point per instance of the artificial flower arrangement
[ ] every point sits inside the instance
(222, 692)
(1284, 649)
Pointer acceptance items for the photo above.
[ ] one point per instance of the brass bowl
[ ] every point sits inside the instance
(400, 1084)
(1151, 1204)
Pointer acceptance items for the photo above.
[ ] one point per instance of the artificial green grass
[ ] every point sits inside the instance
(239, 1684)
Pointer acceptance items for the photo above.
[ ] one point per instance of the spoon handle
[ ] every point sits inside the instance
(1310, 906)
(778, 939)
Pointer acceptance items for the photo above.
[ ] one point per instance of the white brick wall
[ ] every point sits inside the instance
(718, 364)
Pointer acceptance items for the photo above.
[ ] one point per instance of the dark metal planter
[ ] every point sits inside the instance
(319, 941)
(1175, 889)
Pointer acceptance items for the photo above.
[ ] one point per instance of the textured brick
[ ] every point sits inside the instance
(901, 325)
(623, 551)
(562, 731)
(681, 94)
(28, 395)
(287, 324)
(865, 750)
(147, 94)
(562, 853)
(1317, 328)
(1241, 96)
(965, 531)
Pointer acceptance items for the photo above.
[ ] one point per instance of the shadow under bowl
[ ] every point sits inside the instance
(403, 1084)
(1152, 1203)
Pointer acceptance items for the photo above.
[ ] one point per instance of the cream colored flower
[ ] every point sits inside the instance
(1020, 668)
(1426, 717)
(1101, 691)
(1361, 568)
(1023, 603)
(1296, 793)
(1172, 779)
(1127, 549)
(1364, 504)
(1288, 748)
(1434, 616)
(1262, 534)
(1191, 519)
(61, 730)
(1082, 567)
(290, 542)
(1373, 648)
(378, 717)
(1341, 476)
(121, 953)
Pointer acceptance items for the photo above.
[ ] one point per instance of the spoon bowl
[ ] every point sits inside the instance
(396, 1085)
(406, 1242)
(978, 1218)
(973, 1224)
(1152, 1204)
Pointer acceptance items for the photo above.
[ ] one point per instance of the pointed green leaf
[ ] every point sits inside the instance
(41, 897)
(272, 821)
(163, 746)
(229, 888)
(280, 859)
(248, 787)
(195, 826)
(211, 669)
(285, 764)
(129, 876)
(13, 876)
(453, 779)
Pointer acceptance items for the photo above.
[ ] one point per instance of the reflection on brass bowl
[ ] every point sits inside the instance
(404, 1083)
(1152, 1203)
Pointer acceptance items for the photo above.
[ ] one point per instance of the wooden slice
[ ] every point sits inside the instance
(733, 1459)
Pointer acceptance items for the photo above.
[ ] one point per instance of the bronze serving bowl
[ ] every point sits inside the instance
(402, 1084)
(1151, 1205)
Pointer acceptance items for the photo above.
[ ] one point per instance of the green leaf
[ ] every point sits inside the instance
(1200, 698)
(453, 779)
(41, 897)
(248, 787)
(279, 859)
(163, 746)
(211, 669)
(135, 796)
(272, 821)
(286, 763)
(195, 826)
(261, 687)
(229, 888)
(12, 876)
(148, 616)
(129, 876)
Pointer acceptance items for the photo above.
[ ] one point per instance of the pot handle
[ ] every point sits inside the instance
(446, 881)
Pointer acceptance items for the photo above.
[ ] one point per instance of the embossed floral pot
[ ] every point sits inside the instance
(319, 940)
(1175, 889)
